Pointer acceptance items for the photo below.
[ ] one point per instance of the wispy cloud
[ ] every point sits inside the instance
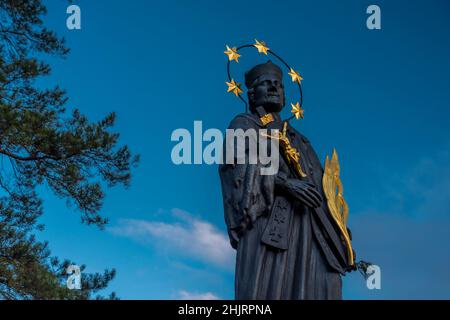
(186, 295)
(408, 238)
(412, 253)
(187, 235)
(424, 191)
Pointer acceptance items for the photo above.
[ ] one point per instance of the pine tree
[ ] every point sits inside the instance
(43, 144)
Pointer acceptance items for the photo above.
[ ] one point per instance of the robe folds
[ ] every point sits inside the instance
(315, 258)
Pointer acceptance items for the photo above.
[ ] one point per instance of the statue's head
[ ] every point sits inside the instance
(265, 87)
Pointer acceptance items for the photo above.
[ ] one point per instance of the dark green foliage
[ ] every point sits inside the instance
(41, 144)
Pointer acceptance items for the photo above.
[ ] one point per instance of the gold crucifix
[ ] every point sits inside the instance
(292, 155)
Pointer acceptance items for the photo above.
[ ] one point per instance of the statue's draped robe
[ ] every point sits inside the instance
(312, 265)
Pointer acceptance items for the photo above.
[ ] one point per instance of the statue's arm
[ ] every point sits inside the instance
(246, 193)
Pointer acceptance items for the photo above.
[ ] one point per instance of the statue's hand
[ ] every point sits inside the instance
(303, 191)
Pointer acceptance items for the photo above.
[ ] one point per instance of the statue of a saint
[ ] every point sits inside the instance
(288, 244)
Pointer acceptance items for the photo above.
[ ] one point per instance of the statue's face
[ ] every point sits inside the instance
(269, 93)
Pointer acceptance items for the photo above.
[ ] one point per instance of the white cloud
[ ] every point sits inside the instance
(186, 295)
(188, 235)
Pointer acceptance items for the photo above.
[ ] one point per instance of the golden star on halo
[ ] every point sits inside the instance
(261, 46)
(295, 76)
(297, 110)
(232, 53)
(234, 87)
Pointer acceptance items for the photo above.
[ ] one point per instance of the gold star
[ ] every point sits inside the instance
(295, 76)
(234, 87)
(297, 110)
(232, 53)
(261, 46)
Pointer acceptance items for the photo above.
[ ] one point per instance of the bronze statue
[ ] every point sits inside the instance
(288, 244)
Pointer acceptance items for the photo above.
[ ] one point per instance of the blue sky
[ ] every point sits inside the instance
(380, 97)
